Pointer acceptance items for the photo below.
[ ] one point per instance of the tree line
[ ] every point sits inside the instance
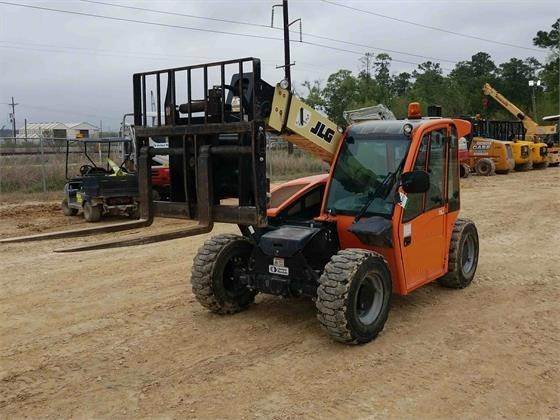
(459, 92)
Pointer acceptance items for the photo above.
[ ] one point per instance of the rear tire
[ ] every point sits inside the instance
(134, 213)
(542, 165)
(464, 170)
(213, 274)
(485, 167)
(92, 214)
(67, 210)
(463, 255)
(354, 294)
(527, 166)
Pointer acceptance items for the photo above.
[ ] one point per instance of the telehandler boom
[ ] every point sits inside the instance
(384, 220)
(535, 133)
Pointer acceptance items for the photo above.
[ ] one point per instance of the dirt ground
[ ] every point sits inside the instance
(118, 333)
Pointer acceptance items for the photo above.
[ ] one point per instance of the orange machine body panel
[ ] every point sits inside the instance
(426, 258)
(284, 195)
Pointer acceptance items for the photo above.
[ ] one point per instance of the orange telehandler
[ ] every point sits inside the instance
(384, 220)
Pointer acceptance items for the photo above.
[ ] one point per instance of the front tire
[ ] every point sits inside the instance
(134, 213)
(67, 210)
(354, 294)
(485, 167)
(463, 255)
(92, 214)
(215, 271)
(464, 170)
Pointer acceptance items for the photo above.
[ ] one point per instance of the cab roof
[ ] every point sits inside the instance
(390, 127)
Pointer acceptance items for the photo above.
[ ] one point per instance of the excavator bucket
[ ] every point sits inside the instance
(214, 118)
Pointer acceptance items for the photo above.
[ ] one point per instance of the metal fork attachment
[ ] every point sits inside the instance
(145, 211)
(216, 146)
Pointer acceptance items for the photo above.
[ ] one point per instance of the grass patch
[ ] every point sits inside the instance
(24, 174)
(283, 166)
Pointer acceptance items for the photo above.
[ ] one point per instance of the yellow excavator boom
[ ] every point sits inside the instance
(533, 129)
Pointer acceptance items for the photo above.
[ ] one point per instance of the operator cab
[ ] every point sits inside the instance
(358, 199)
(371, 152)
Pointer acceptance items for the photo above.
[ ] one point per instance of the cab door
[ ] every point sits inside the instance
(422, 230)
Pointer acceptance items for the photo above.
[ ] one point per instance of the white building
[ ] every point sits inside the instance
(58, 131)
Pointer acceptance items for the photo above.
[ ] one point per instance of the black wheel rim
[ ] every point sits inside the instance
(369, 299)
(468, 255)
(235, 266)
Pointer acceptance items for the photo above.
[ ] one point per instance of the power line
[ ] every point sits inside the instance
(111, 53)
(67, 111)
(28, 46)
(259, 25)
(144, 22)
(479, 38)
(356, 44)
(165, 12)
(361, 53)
(166, 25)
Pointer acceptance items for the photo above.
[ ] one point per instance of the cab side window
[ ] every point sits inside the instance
(453, 172)
(436, 170)
(415, 203)
(431, 158)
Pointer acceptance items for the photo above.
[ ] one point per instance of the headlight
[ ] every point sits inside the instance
(284, 84)
(407, 129)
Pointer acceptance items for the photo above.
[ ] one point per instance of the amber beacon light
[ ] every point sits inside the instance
(414, 111)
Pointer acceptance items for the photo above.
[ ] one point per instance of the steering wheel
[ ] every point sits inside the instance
(85, 169)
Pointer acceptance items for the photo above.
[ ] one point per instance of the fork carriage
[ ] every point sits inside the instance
(214, 117)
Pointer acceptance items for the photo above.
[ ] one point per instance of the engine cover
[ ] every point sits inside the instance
(286, 241)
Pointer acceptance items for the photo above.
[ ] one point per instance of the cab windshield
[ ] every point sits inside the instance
(363, 164)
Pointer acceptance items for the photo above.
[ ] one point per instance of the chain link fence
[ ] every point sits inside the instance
(38, 165)
(31, 165)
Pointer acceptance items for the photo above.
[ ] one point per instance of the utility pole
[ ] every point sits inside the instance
(13, 118)
(534, 84)
(287, 63)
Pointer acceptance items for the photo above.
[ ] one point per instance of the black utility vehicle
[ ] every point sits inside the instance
(100, 188)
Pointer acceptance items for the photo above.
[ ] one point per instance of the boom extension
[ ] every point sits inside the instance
(304, 126)
(533, 129)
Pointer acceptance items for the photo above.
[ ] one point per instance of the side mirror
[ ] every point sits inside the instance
(415, 182)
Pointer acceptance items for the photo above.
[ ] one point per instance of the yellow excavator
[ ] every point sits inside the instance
(535, 134)
(553, 141)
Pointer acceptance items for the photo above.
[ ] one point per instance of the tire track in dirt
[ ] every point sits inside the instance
(118, 332)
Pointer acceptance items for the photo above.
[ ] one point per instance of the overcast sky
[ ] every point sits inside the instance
(63, 67)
